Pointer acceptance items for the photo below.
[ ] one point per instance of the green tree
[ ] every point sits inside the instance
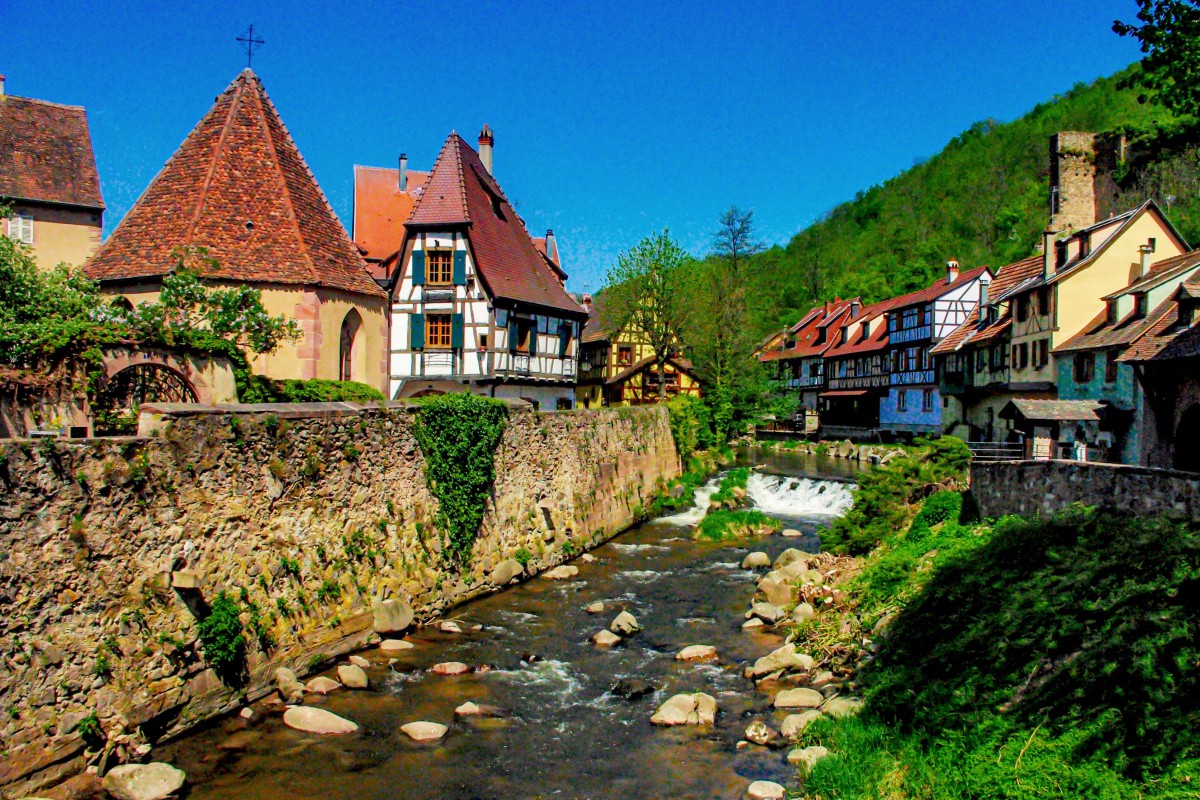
(1169, 34)
(645, 294)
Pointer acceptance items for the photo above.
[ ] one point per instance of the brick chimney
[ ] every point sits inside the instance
(486, 140)
(551, 246)
(1048, 252)
(985, 281)
(951, 270)
(402, 178)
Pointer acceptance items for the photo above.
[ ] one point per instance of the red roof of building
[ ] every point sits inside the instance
(381, 209)
(970, 332)
(239, 187)
(460, 191)
(856, 345)
(46, 153)
(936, 289)
(805, 333)
(1167, 338)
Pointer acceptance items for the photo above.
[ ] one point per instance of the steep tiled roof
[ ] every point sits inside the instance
(681, 365)
(970, 332)
(599, 324)
(460, 191)
(1058, 410)
(381, 209)
(1162, 271)
(1167, 338)
(937, 289)
(806, 332)
(46, 153)
(239, 187)
(856, 345)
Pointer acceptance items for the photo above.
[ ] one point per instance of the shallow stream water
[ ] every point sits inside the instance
(564, 734)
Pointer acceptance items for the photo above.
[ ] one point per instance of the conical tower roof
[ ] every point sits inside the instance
(239, 187)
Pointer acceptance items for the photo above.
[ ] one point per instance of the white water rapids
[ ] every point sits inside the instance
(777, 496)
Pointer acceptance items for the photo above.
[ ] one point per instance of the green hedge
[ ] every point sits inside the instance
(260, 389)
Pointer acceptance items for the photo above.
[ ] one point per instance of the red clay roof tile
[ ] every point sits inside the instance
(239, 187)
(381, 209)
(46, 153)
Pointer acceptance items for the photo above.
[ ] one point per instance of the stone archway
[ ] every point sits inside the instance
(350, 349)
(1187, 440)
(116, 404)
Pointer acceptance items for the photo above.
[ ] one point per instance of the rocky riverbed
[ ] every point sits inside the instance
(520, 694)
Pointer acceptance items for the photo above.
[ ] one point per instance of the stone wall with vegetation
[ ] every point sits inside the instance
(307, 516)
(1042, 488)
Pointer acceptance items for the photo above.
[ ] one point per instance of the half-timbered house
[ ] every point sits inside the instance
(856, 373)
(797, 355)
(475, 303)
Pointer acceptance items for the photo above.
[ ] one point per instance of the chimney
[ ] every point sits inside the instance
(951, 270)
(1145, 250)
(551, 246)
(586, 302)
(855, 307)
(985, 280)
(1048, 253)
(1, 86)
(486, 140)
(402, 179)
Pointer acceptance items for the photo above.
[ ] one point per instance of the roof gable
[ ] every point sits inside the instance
(46, 153)
(381, 209)
(460, 191)
(238, 187)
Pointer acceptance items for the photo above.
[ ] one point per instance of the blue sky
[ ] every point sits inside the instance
(612, 120)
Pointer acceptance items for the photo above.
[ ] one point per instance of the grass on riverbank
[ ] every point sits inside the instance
(725, 525)
(1023, 659)
(728, 491)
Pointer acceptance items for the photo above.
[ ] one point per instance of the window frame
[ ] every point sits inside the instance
(433, 265)
(20, 228)
(432, 341)
(902, 400)
(927, 400)
(624, 355)
(1110, 367)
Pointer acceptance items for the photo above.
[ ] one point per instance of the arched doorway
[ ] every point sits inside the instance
(115, 407)
(1187, 440)
(350, 349)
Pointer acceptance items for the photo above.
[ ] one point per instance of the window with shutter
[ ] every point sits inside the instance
(20, 228)
(456, 331)
(564, 339)
(416, 332)
(460, 268)
(438, 330)
(438, 270)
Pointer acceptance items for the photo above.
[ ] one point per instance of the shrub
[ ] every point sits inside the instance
(90, 731)
(522, 556)
(723, 526)
(223, 639)
(691, 425)
(261, 389)
(458, 434)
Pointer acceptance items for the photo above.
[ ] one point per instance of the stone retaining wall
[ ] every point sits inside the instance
(1032, 488)
(309, 514)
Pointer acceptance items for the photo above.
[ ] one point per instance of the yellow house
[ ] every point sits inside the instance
(48, 179)
(239, 189)
(617, 365)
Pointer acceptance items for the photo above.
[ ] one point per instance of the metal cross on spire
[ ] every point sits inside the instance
(250, 43)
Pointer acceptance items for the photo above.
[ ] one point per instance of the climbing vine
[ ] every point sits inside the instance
(458, 434)
(224, 641)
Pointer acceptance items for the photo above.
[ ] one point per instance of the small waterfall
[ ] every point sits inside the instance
(696, 513)
(778, 495)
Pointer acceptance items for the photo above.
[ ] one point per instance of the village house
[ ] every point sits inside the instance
(48, 179)
(475, 303)
(856, 373)
(1089, 366)
(1166, 363)
(618, 367)
(797, 355)
(383, 200)
(239, 192)
(916, 322)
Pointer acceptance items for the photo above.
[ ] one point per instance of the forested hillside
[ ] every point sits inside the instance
(983, 200)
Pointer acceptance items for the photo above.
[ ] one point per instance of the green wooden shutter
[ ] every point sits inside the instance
(513, 332)
(416, 332)
(564, 338)
(533, 334)
(460, 268)
(456, 331)
(418, 268)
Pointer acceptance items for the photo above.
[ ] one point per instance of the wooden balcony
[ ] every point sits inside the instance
(912, 377)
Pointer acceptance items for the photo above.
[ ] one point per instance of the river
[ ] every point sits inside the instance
(564, 734)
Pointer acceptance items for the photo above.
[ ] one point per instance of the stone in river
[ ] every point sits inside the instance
(752, 623)
(687, 709)
(353, 676)
(424, 731)
(803, 612)
(606, 638)
(246, 713)
(756, 560)
(842, 706)
(450, 668)
(394, 645)
(767, 612)
(697, 652)
(449, 626)
(469, 709)
(392, 616)
(785, 657)
(632, 688)
(153, 781)
(794, 724)
(587, 558)
(799, 698)
(506, 572)
(625, 624)
(322, 685)
(317, 720)
(359, 661)
(790, 556)
(563, 573)
(760, 733)
(765, 790)
(806, 757)
(792, 533)
(778, 593)
(595, 608)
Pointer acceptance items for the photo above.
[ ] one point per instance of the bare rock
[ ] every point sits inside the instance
(696, 708)
(153, 781)
(777, 592)
(760, 733)
(595, 608)
(805, 758)
(317, 720)
(322, 685)
(792, 533)
(625, 624)
(424, 731)
(756, 561)
(506, 572)
(352, 676)
(470, 709)
(359, 661)
(606, 638)
(767, 612)
(450, 668)
(563, 573)
(842, 706)
(784, 658)
(799, 698)
(753, 623)
(803, 612)
(392, 616)
(697, 652)
(790, 556)
(765, 790)
(632, 688)
(794, 724)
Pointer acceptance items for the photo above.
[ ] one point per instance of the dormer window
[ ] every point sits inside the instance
(820, 336)
(438, 267)
(864, 330)
(845, 335)
(1112, 312)
(1140, 305)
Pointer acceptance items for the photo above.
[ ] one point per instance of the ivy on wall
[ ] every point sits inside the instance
(458, 434)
